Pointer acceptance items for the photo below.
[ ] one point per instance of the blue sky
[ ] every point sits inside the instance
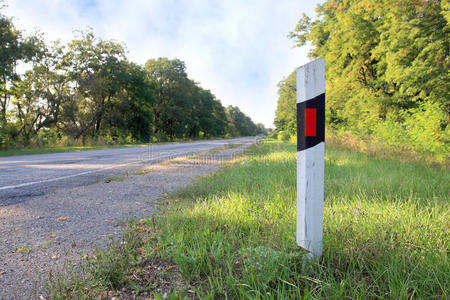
(236, 48)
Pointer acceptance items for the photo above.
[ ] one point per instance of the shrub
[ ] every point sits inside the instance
(284, 136)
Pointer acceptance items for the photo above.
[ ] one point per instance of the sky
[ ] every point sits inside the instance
(238, 49)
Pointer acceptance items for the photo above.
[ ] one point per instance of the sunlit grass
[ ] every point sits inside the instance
(232, 234)
(386, 229)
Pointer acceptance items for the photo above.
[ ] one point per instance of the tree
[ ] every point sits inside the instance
(210, 114)
(172, 110)
(88, 89)
(386, 68)
(14, 48)
(133, 112)
(98, 72)
(261, 129)
(240, 124)
(39, 96)
(285, 115)
(220, 118)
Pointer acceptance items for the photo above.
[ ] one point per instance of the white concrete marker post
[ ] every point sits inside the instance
(310, 155)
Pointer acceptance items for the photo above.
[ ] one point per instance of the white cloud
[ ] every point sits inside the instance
(238, 49)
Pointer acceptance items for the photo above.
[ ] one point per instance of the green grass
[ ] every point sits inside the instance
(142, 172)
(232, 234)
(46, 244)
(115, 178)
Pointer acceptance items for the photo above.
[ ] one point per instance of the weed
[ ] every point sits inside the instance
(46, 244)
(115, 178)
(23, 249)
(142, 172)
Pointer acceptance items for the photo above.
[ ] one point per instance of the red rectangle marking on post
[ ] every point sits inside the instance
(310, 122)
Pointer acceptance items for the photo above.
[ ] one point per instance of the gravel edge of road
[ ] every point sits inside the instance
(91, 222)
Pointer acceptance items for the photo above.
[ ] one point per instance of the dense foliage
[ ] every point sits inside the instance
(387, 70)
(87, 91)
(285, 115)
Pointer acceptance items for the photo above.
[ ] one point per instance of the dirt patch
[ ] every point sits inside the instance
(156, 275)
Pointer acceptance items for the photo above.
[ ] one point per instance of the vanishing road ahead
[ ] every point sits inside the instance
(22, 177)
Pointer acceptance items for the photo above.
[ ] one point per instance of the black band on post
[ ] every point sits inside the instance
(311, 122)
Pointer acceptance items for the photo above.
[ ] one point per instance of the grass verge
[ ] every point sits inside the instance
(232, 235)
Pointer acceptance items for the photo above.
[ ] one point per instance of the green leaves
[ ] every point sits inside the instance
(184, 109)
(87, 91)
(387, 67)
(241, 124)
(285, 115)
(14, 49)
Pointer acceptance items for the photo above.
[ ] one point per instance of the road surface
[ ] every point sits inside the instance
(22, 177)
(37, 190)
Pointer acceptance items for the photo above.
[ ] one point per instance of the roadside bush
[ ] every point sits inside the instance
(161, 137)
(48, 138)
(293, 138)
(284, 136)
(6, 136)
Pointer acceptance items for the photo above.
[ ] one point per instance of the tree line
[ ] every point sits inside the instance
(87, 90)
(387, 68)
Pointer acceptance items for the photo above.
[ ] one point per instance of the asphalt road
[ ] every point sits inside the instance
(23, 177)
(55, 208)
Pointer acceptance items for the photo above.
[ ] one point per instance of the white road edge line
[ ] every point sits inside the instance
(76, 175)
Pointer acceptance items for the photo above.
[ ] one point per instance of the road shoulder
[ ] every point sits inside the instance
(39, 235)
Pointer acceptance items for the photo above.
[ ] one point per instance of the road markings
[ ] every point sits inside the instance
(78, 174)
(143, 155)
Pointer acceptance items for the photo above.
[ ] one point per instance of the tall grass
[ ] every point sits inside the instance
(232, 234)
(385, 226)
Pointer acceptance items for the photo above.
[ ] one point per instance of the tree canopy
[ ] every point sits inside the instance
(285, 115)
(87, 90)
(386, 69)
